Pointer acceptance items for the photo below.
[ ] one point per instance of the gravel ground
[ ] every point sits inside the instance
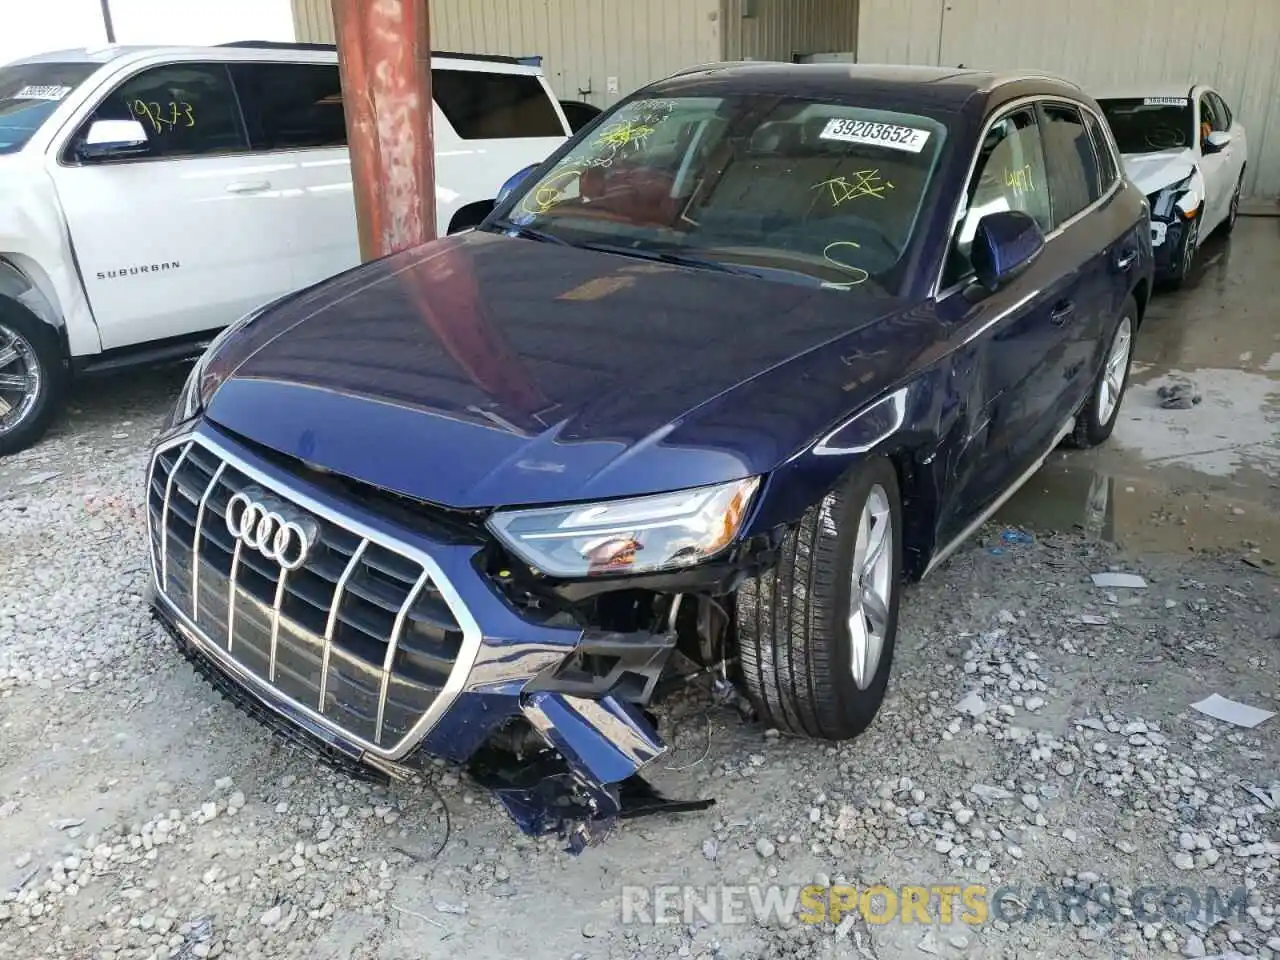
(1038, 735)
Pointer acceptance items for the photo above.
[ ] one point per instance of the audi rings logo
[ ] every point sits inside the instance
(272, 528)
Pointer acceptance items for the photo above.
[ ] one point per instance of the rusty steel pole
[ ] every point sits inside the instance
(384, 54)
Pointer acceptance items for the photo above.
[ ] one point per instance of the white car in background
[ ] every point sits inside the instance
(150, 196)
(1186, 151)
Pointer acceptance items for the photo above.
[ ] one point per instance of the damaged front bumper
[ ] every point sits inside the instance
(1167, 238)
(376, 637)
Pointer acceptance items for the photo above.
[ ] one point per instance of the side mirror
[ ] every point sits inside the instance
(1004, 245)
(109, 139)
(1216, 141)
(514, 181)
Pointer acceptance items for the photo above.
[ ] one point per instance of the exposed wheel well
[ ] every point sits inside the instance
(470, 215)
(24, 282)
(919, 514)
(1141, 294)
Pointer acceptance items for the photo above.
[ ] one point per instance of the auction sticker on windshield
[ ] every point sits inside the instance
(46, 92)
(889, 135)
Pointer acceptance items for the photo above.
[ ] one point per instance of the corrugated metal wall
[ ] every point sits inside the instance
(1231, 45)
(780, 29)
(583, 43)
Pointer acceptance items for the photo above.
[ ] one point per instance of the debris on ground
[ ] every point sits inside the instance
(1180, 393)
(1232, 712)
(1120, 580)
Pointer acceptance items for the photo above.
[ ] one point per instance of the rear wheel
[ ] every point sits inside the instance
(32, 377)
(1098, 418)
(816, 633)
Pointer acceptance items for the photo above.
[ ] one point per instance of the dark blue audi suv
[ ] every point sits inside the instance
(758, 345)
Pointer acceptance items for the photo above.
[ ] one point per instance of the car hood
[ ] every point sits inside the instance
(482, 370)
(1151, 172)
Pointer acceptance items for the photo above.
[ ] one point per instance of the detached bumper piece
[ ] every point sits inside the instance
(374, 645)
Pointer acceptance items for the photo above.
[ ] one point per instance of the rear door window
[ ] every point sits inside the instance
(1108, 170)
(186, 109)
(1072, 165)
(291, 106)
(495, 106)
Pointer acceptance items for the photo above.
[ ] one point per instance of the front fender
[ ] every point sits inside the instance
(37, 264)
(906, 423)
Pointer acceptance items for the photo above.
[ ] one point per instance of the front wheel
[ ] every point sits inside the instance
(1098, 418)
(816, 632)
(1186, 255)
(1229, 224)
(32, 377)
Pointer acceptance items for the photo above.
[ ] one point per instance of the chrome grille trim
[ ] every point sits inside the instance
(275, 623)
(393, 644)
(231, 596)
(332, 621)
(195, 547)
(164, 519)
(364, 535)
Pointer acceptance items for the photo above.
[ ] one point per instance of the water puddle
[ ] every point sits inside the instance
(1141, 515)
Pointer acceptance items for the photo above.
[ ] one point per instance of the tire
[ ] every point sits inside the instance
(1186, 254)
(1229, 224)
(794, 639)
(1098, 418)
(28, 348)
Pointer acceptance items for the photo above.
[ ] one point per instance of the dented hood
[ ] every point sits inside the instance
(482, 370)
(1151, 172)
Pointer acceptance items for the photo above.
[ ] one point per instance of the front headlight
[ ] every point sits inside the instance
(638, 535)
(188, 404)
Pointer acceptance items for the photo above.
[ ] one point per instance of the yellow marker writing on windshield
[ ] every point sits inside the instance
(864, 183)
(550, 192)
(859, 275)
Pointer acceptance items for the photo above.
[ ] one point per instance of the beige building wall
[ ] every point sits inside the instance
(1102, 45)
(600, 50)
(593, 50)
(784, 29)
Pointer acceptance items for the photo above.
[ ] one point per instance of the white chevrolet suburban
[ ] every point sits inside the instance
(149, 196)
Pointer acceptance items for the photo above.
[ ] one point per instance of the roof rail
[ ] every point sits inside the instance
(332, 48)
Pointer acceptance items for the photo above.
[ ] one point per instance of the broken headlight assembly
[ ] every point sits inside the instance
(637, 535)
(1181, 200)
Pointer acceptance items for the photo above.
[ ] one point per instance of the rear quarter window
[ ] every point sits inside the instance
(495, 106)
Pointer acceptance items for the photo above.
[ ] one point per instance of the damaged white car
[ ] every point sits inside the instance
(1185, 150)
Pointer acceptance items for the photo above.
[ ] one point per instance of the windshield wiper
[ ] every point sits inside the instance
(663, 256)
(529, 233)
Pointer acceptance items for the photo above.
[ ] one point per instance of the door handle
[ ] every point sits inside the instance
(1062, 311)
(1126, 260)
(248, 186)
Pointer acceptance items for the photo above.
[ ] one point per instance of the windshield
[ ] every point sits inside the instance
(788, 189)
(29, 92)
(1145, 125)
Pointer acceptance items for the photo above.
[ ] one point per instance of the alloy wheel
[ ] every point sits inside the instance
(870, 587)
(1113, 374)
(19, 378)
(1235, 207)
(1189, 248)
